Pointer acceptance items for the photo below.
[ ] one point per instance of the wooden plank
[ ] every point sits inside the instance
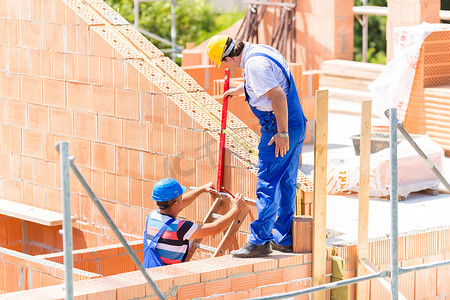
(218, 203)
(320, 193)
(30, 213)
(364, 176)
(227, 240)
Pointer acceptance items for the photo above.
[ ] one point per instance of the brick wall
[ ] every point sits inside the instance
(22, 272)
(128, 113)
(225, 277)
(104, 260)
(414, 249)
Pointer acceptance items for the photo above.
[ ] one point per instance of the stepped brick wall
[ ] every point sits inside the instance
(76, 71)
(226, 277)
(413, 249)
(427, 111)
(20, 271)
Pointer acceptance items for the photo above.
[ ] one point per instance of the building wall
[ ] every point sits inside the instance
(67, 74)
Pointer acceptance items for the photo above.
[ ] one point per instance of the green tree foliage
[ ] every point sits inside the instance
(376, 48)
(195, 20)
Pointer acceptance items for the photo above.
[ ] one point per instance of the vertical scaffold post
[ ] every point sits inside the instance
(223, 130)
(394, 203)
(63, 148)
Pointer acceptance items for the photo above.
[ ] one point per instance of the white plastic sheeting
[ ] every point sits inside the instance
(413, 172)
(393, 87)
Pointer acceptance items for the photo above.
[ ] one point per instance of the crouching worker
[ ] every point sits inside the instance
(166, 238)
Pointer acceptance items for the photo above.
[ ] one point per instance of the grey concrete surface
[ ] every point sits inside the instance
(418, 212)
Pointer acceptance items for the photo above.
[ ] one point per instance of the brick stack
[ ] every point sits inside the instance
(428, 106)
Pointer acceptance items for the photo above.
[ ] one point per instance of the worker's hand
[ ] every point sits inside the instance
(208, 188)
(281, 144)
(238, 202)
(234, 91)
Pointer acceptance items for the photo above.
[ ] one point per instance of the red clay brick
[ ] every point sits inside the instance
(31, 89)
(85, 125)
(103, 100)
(135, 192)
(134, 163)
(98, 45)
(81, 150)
(103, 157)
(61, 121)
(122, 189)
(82, 75)
(106, 71)
(191, 291)
(57, 65)
(54, 93)
(110, 129)
(13, 59)
(131, 77)
(10, 86)
(37, 117)
(33, 143)
(70, 66)
(131, 136)
(52, 37)
(127, 104)
(15, 113)
(122, 161)
(30, 34)
(24, 60)
(71, 38)
(110, 186)
(44, 173)
(119, 73)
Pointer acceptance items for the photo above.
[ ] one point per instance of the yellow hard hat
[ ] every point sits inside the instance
(216, 47)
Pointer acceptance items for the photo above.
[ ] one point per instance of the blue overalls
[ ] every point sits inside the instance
(151, 257)
(276, 186)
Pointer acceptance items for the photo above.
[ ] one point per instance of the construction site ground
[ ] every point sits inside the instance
(417, 213)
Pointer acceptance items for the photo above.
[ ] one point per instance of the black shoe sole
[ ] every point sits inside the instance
(253, 255)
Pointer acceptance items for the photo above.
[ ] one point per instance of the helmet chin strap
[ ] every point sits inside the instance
(228, 51)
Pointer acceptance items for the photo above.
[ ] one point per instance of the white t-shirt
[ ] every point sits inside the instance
(262, 74)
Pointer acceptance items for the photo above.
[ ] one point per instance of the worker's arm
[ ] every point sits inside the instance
(222, 223)
(190, 196)
(236, 91)
(280, 109)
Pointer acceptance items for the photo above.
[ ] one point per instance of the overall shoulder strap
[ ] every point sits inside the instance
(272, 59)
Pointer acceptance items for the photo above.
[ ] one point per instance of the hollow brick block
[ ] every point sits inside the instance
(103, 157)
(30, 34)
(33, 143)
(127, 103)
(110, 130)
(52, 37)
(61, 121)
(31, 89)
(103, 100)
(54, 93)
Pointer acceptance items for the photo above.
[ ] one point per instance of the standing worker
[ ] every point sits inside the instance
(271, 93)
(166, 238)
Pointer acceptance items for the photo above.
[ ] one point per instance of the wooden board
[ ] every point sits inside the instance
(31, 213)
(320, 193)
(364, 176)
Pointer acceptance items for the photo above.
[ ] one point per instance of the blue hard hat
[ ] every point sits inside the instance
(167, 189)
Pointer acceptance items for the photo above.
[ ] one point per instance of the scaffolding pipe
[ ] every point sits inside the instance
(423, 155)
(114, 228)
(63, 149)
(173, 30)
(394, 203)
(326, 286)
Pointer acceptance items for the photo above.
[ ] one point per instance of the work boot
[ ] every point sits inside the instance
(277, 247)
(250, 250)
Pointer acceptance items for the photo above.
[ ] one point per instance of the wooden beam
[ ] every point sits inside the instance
(267, 3)
(30, 213)
(370, 268)
(320, 193)
(364, 173)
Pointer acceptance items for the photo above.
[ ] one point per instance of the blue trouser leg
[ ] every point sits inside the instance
(288, 187)
(269, 194)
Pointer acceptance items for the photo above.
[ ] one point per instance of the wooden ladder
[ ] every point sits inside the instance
(229, 240)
